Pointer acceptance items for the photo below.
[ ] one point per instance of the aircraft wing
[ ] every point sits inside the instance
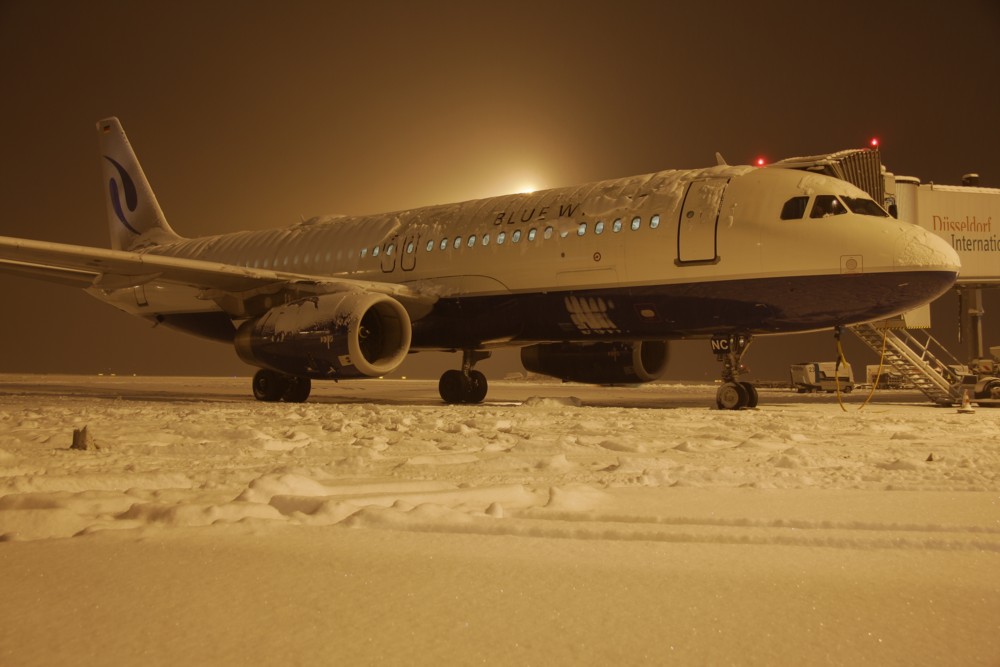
(234, 288)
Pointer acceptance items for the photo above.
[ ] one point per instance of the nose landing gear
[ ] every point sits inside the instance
(733, 394)
(466, 385)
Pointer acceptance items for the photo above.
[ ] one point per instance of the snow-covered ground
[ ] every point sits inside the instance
(555, 524)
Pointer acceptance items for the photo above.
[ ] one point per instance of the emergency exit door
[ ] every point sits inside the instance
(697, 228)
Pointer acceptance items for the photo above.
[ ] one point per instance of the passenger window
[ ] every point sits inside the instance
(582, 229)
(654, 222)
(388, 251)
(636, 222)
(486, 239)
(375, 251)
(794, 208)
(516, 236)
(430, 245)
(826, 205)
(599, 227)
(444, 243)
(472, 240)
(617, 226)
(458, 242)
(501, 237)
(531, 234)
(548, 232)
(364, 252)
(409, 248)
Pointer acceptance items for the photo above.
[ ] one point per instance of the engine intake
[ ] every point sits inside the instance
(598, 363)
(344, 335)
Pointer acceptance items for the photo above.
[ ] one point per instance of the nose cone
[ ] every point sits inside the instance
(918, 250)
(925, 265)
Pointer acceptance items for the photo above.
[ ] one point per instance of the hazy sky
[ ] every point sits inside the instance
(248, 115)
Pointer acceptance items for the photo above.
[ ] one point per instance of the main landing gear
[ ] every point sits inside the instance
(271, 386)
(733, 395)
(466, 385)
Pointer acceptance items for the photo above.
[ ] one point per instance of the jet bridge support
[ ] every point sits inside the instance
(970, 329)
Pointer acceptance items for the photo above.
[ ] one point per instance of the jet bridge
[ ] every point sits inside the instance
(861, 167)
(961, 215)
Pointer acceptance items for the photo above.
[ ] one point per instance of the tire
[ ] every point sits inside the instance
(988, 390)
(477, 388)
(296, 389)
(752, 395)
(268, 385)
(731, 396)
(450, 387)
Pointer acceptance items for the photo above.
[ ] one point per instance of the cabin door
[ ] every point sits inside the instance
(408, 252)
(389, 252)
(699, 221)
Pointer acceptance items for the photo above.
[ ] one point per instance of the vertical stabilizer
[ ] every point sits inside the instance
(134, 216)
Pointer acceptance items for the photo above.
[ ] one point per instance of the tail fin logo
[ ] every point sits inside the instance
(128, 189)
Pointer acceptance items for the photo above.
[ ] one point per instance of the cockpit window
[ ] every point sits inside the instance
(863, 206)
(826, 205)
(794, 208)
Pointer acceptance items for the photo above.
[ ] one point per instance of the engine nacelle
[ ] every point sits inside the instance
(598, 363)
(342, 335)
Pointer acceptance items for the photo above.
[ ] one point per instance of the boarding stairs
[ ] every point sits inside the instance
(925, 364)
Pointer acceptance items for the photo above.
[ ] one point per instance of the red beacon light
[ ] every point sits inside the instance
(760, 162)
(874, 142)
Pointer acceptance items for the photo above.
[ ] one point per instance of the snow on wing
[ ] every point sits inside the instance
(85, 267)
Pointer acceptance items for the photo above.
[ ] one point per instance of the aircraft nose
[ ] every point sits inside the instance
(918, 249)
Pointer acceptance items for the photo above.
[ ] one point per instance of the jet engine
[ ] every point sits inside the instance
(342, 335)
(598, 363)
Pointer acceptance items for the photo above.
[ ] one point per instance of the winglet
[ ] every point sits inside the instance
(719, 160)
(134, 216)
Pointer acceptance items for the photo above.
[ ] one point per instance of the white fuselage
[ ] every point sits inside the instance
(597, 250)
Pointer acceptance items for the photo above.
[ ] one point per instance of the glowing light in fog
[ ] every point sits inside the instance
(760, 162)
(874, 142)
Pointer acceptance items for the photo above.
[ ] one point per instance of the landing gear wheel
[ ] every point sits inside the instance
(477, 388)
(752, 395)
(450, 386)
(466, 385)
(296, 389)
(271, 386)
(732, 396)
(268, 385)
(455, 387)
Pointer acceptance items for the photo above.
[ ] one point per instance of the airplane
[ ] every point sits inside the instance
(591, 281)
